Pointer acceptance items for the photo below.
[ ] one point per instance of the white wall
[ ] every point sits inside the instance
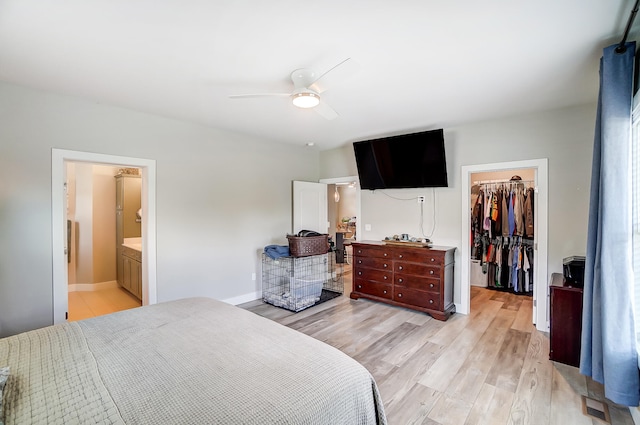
(564, 136)
(221, 197)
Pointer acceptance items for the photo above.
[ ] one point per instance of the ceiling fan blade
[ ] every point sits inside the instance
(241, 96)
(337, 73)
(326, 111)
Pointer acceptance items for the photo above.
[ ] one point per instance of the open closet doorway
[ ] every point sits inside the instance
(61, 160)
(504, 255)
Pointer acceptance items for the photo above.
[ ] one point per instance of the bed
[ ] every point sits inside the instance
(191, 361)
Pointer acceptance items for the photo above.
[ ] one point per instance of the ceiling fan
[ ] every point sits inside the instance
(307, 88)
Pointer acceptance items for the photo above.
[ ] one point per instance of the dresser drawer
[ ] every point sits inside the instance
(403, 281)
(376, 289)
(373, 274)
(372, 251)
(374, 263)
(421, 256)
(425, 270)
(418, 298)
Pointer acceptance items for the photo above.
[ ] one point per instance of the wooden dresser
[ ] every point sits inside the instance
(411, 277)
(566, 322)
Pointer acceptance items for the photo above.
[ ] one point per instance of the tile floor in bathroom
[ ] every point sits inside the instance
(86, 304)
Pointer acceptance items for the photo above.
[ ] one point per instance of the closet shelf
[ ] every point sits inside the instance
(487, 182)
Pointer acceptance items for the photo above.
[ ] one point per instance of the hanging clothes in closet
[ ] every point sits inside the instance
(502, 230)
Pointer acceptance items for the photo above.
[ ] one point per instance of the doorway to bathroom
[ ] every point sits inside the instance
(62, 240)
(103, 216)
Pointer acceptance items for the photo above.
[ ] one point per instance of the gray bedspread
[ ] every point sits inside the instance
(192, 361)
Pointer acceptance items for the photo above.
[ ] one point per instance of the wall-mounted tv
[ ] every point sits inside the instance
(402, 162)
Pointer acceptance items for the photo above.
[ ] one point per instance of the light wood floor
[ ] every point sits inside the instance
(86, 304)
(490, 367)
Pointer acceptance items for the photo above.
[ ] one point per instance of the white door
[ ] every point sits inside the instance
(310, 207)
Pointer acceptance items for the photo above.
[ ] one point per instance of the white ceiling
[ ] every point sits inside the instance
(420, 64)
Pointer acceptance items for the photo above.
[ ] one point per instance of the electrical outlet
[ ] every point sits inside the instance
(421, 199)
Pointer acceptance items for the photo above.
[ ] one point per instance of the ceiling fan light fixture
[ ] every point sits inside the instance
(306, 100)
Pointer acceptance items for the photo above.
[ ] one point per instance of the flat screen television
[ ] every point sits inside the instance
(401, 162)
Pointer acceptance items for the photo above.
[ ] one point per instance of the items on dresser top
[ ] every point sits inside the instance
(418, 278)
(573, 271)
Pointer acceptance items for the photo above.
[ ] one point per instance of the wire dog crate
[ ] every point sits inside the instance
(296, 283)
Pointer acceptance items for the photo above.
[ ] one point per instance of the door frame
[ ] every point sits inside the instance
(541, 223)
(59, 160)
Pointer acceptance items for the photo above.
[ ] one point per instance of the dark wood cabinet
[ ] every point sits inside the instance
(411, 277)
(566, 322)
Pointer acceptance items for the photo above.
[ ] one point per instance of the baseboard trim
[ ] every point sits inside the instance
(635, 414)
(88, 287)
(244, 298)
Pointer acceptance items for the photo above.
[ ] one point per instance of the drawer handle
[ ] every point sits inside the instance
(430, 271)
(359, 251)
(384, 292)
(359, 261)
(385, 266)
(431, 285)
(400, 280)
(359, 273)
(430, 301)
(385, 254)
(399, 267)
(385, 277)
(359, 286)
(400, 256)
(433, 259)
(399, 295)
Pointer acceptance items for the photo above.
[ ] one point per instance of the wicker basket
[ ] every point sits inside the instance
(303, 246)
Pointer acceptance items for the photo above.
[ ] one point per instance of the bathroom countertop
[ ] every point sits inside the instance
(133, 243)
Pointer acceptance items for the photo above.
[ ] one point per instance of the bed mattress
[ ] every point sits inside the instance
(189, 361)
